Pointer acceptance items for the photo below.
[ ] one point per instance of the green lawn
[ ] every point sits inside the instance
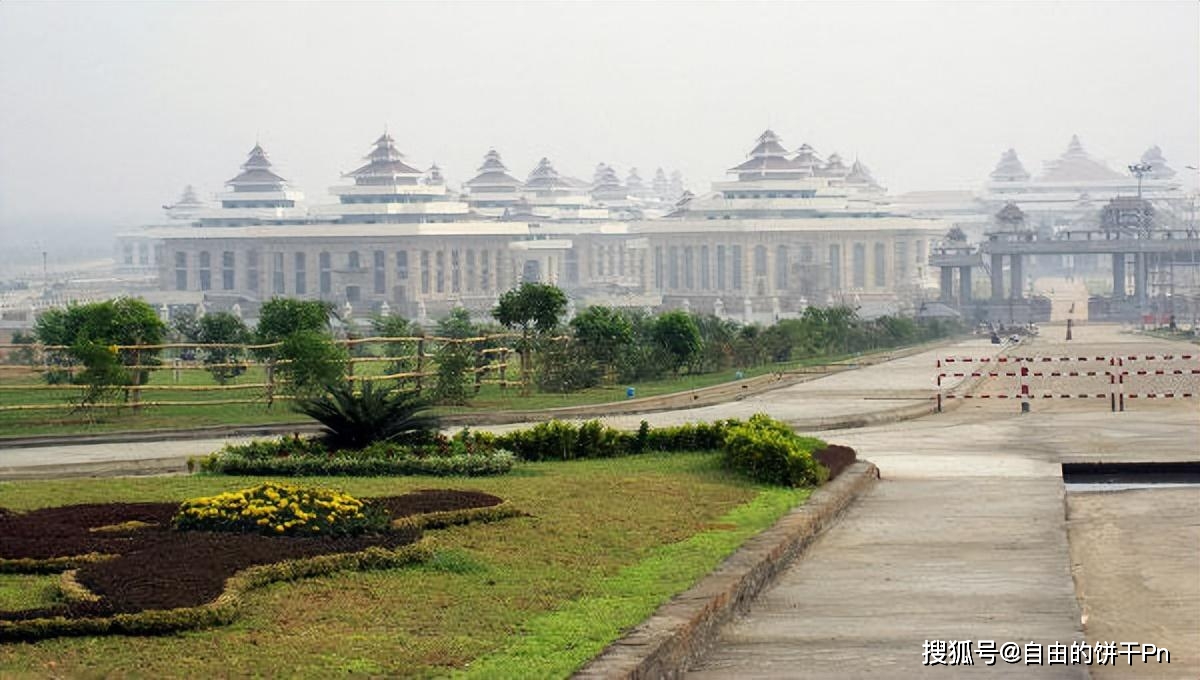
(490, 399)
(530, 597)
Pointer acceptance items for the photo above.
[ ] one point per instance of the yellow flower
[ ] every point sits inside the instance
(279, 528)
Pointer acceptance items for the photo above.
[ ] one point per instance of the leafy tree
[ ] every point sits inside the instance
(22, 355)
(454, 359)
(602, 333)
(186, 327)
(84, 328)
(281, 317)
(223, 328)
(718, 337)
(644, 359)
(531, 308)
(354, 419)
(566, 367)
(677, 334)
(402, 351)
(309, 360)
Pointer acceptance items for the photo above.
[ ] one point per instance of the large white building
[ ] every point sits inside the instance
(789, 230)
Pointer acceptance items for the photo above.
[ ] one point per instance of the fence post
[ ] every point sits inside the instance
(270, 370)
(1112, 386)
(420, 361)
(135, 394)
(1024, 389)
(503, 369)
(939, 386)
(480, 366)
(1121, 384)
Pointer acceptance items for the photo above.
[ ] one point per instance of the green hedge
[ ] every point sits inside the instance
(767, 450)
(349, 465)
(559, 440)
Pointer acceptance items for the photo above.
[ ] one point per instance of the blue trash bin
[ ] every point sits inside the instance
(629, 392)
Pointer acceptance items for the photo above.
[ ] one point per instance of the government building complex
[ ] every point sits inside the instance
(789, 229)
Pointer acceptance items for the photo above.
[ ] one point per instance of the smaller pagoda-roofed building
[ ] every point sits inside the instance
(492, 191)
(1009, 168)
(387, 189)
(257, 195)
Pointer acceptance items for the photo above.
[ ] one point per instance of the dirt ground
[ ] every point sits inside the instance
(1135, 556)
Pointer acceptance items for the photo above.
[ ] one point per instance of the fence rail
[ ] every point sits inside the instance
(488, 364)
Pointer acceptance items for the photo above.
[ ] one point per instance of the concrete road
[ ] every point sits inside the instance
(965, 538)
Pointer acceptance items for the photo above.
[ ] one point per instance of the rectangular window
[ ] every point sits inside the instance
(781, 268)
(455, 272)
(143, 253)
(880, 265)
(380, 272)
(205, 271)
(721, 268)
(227, 269)
(673, 267)
(353, 294)
(301, 274)
(277, 275)
(760, 260)
(737, 267)
(325, 267)
(128, 253)
(485, 279)
(502, 265)
(920, 252)
(689, 265)
(806, 254)
(425, 271)
(900, 257)
(440, 270)
(835, 266)
(353, 261)
(181, 273)
(659, 266)
(705, 280)
(402, 265)
(471, 270)
(858, 268)
(252, 270)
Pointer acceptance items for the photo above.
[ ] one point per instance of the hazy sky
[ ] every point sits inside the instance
(108, 109)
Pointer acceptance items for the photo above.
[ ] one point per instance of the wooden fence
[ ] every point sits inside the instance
(24, 369)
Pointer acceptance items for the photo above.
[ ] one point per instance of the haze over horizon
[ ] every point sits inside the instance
(111, 108)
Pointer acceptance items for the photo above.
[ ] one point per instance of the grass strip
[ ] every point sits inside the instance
(558, 643)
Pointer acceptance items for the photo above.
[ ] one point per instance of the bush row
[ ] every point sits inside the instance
(358, 463)
(559, 440)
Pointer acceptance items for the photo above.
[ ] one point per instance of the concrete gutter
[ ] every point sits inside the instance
(666, 644)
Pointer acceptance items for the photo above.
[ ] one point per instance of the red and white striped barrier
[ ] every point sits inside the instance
(1116, 373)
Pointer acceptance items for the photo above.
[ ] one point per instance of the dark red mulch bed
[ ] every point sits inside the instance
(159, 568)
(836, 457)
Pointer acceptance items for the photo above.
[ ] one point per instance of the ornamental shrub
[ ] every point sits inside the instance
(281, 509)
(767, 450)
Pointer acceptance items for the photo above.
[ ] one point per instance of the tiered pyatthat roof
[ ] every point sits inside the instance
(1009, 169)
(860, 175)
(807, 160)
(768, 159)
(662, 186)
(1076, 165)
(835, 167)
(1158, 165)
(606, 183)
(188, 199)
(492, 173)
(634, 181)
(256, 174)
(433, 176)
(545, 177)
(385, 165)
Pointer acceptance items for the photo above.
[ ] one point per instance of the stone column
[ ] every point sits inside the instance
(964, 285)
(1118, 271)
(997, 277)
(1139, 278)
(947, 287)
(1016, 277)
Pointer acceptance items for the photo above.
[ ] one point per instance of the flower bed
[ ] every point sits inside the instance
(142, 575)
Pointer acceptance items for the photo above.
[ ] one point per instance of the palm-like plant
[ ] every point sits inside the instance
(354, 419)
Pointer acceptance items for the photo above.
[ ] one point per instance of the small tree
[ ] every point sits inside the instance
(454, 359)
(531, 308)
(223, 328)
(23, 355)
(602, 333)
(94, 332)
(281, 317)
(677, 334)
(309, 361)
(403, 352)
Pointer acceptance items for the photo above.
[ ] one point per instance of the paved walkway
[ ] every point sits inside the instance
(965, 538)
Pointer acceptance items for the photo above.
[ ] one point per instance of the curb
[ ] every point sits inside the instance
(680, 631)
